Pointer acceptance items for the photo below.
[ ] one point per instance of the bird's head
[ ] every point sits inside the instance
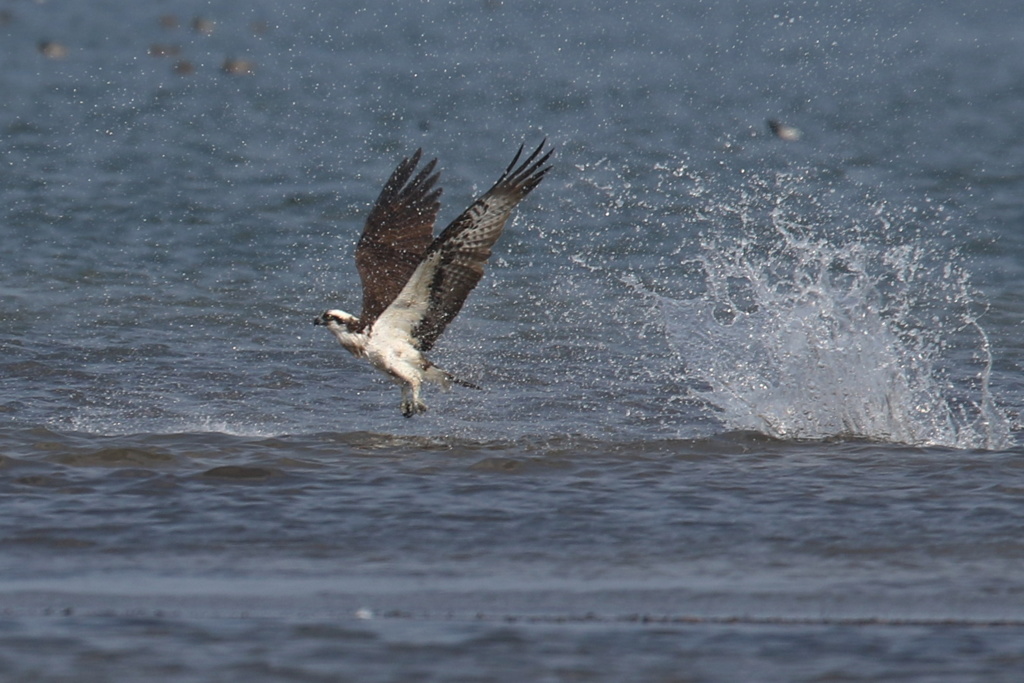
(337, 320)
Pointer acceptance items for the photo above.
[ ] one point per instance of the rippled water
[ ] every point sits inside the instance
(750, 408)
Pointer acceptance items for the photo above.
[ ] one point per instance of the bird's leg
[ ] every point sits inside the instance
(406, 404)
(411, 403)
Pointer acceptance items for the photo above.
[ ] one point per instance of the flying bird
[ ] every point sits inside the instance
(414, 284)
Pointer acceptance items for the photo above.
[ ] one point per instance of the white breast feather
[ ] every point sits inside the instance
(409, 308)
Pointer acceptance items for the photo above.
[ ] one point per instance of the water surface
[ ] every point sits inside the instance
(750, 406)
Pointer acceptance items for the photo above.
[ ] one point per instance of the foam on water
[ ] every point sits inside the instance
(807, 323)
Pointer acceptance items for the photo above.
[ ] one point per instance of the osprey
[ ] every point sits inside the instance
(415, 284)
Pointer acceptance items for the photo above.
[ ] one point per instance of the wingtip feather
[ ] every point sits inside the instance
(529, 173)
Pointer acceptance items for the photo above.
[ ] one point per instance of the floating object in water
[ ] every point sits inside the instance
(53, 50)
(238, 67)
(204, 26)
(784, 131)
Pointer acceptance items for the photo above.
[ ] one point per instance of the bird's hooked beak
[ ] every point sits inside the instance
(349, 321)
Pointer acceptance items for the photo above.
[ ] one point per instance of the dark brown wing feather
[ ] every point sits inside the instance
(396, 235)
(465, 245)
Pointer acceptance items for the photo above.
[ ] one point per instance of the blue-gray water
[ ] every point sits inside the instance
(751, 406)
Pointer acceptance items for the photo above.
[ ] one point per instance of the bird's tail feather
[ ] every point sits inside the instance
(464, 383)
(446, 380)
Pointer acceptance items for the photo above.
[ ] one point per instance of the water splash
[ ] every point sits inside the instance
(867, 331)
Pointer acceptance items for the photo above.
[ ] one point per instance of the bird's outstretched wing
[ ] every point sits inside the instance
(397, 233)
(454, 262)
